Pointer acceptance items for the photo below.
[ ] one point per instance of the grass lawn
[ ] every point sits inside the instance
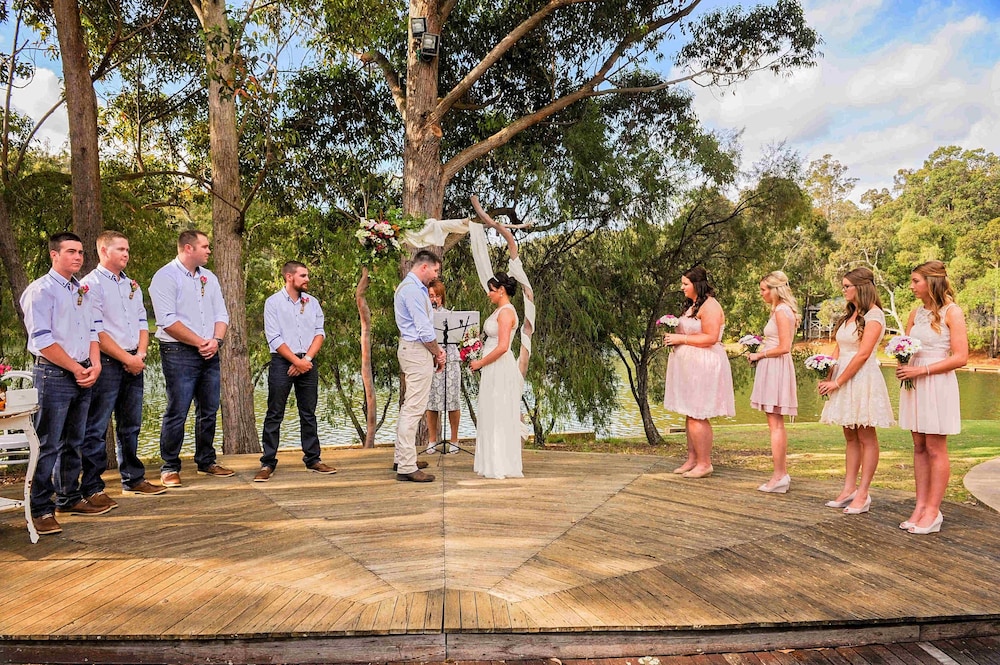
(817, 451)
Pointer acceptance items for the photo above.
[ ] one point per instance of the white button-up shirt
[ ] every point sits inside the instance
(118, 302)
(193, 298)
(292, 322)
(59, 311)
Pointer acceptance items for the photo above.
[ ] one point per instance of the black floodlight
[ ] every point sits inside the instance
(428, 46)
(418, 26)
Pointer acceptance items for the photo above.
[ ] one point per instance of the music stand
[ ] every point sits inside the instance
(450, 329)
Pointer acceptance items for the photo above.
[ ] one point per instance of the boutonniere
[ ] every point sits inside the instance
(204, 281)
(303, 301)
(134, 285)
(80, 293)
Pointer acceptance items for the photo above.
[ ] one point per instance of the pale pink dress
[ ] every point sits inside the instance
(699, 380)
(863, 401)
(774, 388)
(932, 406)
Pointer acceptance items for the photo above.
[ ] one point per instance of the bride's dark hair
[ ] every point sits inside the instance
(503, 281)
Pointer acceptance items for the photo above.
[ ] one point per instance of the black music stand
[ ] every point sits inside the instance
(450, 328)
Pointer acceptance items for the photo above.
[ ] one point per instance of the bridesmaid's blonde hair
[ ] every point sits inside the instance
(938, 287)
(866, 294)
(777, 282)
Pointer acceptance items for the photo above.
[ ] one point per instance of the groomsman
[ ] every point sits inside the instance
(419, 355)
(117, 300)
(293, 325)
(62, 335)
(191, 323)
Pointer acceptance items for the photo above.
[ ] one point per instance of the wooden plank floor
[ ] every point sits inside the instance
(587, 549)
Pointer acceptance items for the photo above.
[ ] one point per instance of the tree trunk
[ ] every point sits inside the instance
(81, 107)
(365, 314)
(653, 436)
(239, 425)
(11, 256)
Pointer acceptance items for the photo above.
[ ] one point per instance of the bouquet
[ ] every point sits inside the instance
(821, 365)
(471, 347)
(751, 342)
(670, 321)
(377, 237)
(902, 348)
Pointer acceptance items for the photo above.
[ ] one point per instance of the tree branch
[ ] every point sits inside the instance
(391, 78)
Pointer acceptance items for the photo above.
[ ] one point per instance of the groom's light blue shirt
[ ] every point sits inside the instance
(412, 305)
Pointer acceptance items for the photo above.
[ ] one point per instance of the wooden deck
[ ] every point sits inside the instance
(589, 556)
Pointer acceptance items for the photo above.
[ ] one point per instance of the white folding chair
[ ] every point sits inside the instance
(19, 442)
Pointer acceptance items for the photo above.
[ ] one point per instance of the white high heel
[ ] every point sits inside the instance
(863, 509)
(906, 524)
(841, 504)
(933, 527)
(779, 487)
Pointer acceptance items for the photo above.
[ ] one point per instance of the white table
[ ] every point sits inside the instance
(20, 418)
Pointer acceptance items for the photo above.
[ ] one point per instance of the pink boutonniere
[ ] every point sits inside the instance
(303, 302)
(134, 285)
(204, 281)
(80, 293)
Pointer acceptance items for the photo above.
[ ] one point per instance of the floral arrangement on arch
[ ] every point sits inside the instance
(382, 237)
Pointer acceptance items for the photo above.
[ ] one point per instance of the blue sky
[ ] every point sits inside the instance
(899, 78)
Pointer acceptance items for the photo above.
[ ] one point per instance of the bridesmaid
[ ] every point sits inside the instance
(774, 390)
(859, 400)
(699, 381)
(930, 410)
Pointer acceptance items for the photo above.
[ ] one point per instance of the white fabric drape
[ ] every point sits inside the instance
(435, 231)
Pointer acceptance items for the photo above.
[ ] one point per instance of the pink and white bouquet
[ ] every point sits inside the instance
(471, 347)
(668, 320)
(820, 364)
(902, 348)
(751, 342)
(377, 237)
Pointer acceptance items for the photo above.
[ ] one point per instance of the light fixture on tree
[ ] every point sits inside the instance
(418, 26)
(429, 46)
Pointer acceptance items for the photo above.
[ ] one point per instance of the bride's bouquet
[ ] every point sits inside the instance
(821, 364)
(471, 346)
(902, 348)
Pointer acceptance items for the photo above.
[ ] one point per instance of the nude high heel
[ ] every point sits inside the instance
(906, 524)
(779, 487)
(842, 504)
(933, 527)
(863, 509)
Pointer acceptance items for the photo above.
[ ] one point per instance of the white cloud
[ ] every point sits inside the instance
(837, 19)
(35, 97)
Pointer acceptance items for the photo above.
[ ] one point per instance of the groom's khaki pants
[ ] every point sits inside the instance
(417, 365)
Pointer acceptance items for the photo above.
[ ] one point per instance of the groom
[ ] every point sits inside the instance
(419, 356)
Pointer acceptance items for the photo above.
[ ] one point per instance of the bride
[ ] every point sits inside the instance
(498, 430)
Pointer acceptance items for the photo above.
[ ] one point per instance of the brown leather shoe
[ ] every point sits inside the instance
(100, 499)
(417, 476)
(171, 478)
(46, 524)
(263, 475)
(83, 507)
(144, 488)
(420, 465)
(319, 467)
(216, 470)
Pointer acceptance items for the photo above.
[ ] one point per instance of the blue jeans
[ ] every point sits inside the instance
(279, 384)
(120, 393)
(189, 377)
(60, 424)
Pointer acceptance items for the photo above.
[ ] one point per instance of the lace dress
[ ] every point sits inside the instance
(699, 380)
(774, 388)
(931, 407)
(498, 427)
(863, 401)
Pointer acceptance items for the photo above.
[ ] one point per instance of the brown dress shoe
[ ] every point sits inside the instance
(100, 499)
(417, 476)
(144, 488)
(420, 465)
(170, 478)
(216, 470)
(319, 467)
(83, 507)
(46, 524)
(263, 475)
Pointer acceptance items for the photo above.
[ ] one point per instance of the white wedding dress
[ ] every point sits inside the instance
(498, 426)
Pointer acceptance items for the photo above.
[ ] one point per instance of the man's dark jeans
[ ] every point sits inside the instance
(60, 424)
(189, 377)
(120, 393)
(279, 385)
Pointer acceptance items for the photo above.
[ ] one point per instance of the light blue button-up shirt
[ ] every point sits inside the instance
(193, 298)
(412, 305)
(119, 306)
(57, 312)
(292, 322)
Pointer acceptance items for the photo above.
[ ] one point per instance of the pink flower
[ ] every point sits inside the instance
(303, 301)
(134, 285)
(80, 293)
(204, 281)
